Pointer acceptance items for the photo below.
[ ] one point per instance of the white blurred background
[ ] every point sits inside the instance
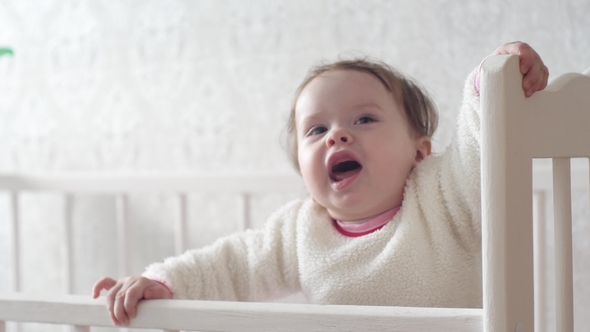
(204, 85)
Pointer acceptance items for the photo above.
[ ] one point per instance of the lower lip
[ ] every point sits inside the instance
(340, 185)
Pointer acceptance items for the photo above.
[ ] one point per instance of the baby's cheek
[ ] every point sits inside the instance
(307, 171)
(313, 183)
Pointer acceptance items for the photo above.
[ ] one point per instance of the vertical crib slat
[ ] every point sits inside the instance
(15, 248)
(181, 228)
(244, 211)
(122, 233)
(540, 259)
(180, 235)
(2, 326)
(78, 328)
(122, 209)
(15, 244)
(563, 244)
(68, 247)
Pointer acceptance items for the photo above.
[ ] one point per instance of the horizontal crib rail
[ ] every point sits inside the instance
(118, 183)
(115, 183)
(79, 310)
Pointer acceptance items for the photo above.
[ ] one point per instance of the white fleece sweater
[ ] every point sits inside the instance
(428, 255)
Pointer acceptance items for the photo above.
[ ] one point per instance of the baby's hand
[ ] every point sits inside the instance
(124, 294)
(535, 73)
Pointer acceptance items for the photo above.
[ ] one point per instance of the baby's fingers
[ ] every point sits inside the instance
(119, 307)
(535, 79)
(111, 298)
(133, 294)
(529, 60)
(126, 299)
(104, 283)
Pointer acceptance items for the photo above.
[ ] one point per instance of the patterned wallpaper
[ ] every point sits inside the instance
(111, 85)
(203, 85)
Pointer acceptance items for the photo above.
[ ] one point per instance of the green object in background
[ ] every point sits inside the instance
(6, 51)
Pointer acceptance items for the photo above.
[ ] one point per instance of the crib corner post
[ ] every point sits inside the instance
(506, 183)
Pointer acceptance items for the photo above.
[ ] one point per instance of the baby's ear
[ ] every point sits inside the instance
(423, 147)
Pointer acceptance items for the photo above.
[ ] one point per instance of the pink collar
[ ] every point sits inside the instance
(369, 226)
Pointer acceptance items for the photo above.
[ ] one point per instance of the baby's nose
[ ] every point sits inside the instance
(338, 138)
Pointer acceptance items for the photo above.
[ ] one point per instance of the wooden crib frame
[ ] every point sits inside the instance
(554, 123)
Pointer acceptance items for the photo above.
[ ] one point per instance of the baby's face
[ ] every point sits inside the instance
(355, 146)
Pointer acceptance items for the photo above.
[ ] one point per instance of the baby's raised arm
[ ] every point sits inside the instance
(124, 294)
(448, 187)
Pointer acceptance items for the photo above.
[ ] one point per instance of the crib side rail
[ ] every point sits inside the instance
(120, 185)
(79, 310)
(116, 183)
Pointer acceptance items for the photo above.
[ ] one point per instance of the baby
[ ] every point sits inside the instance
(386, 224)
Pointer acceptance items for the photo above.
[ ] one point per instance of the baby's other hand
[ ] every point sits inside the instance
(124, 294)
(535, 73)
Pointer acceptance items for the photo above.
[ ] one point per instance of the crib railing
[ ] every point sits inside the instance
(121, 185)
(515, 130)
(561, 179)
(175, 315)
(82, 311)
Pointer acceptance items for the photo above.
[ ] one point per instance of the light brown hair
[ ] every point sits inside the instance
(410, 96)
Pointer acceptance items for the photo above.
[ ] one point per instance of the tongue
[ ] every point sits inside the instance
(339, 176)
(345, 170)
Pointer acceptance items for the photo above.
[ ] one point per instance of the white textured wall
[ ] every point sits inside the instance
(206, 85)
(201, 85)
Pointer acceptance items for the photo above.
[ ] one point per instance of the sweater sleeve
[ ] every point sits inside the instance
(448, 185)
(255, 265)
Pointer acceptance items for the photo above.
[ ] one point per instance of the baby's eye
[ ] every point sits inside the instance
(316, 130)
(365, 119)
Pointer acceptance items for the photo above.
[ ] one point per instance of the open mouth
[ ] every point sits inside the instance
(344, 169)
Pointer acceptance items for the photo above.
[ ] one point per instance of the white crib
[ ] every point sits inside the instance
(552, 124)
